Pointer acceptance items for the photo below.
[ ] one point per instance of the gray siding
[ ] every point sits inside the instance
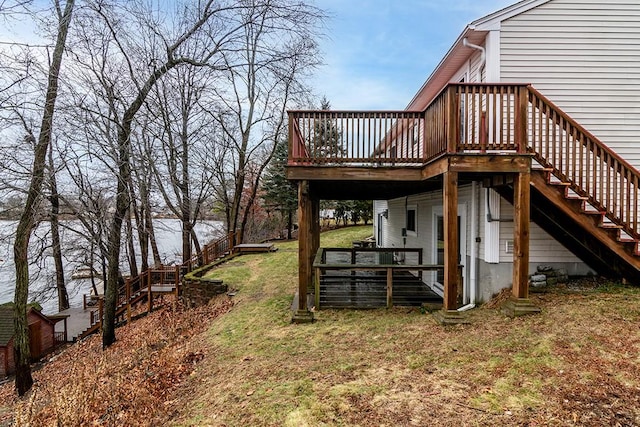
(585, 56)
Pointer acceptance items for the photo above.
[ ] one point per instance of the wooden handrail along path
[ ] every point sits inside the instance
(161, 279)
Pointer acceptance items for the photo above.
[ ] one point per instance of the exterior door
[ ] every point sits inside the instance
(35, 340)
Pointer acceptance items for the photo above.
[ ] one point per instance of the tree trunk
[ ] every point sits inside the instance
(54, 200)
(24, 381)
(133, 263)
(152, 239)
(122, 204)
(289, 224)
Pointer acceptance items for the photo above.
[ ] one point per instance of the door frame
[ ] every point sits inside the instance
(436, 286)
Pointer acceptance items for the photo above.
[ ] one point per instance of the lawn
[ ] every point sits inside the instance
(241, 362)
(576, 363)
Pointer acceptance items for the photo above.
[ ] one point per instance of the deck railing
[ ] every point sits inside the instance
(368, 271)
(464, 117)
(474, 118)
(356, 137)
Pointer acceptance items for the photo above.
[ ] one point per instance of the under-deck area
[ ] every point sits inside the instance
(373, 278)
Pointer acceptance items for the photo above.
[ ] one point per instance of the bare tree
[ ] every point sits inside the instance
(26, 224)
(279, 48)
(179, 151)
(128, 49)
(54, 201)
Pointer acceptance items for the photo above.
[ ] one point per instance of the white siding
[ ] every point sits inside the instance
(585, 56)
(542, 247)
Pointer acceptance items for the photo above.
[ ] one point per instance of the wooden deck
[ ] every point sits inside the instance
(489, 132)
(251, 248)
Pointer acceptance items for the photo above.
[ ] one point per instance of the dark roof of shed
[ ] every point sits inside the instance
(7, 327)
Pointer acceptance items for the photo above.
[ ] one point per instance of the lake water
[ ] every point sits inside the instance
(42, 272)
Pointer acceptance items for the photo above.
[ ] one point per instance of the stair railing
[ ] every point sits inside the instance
(610, 184)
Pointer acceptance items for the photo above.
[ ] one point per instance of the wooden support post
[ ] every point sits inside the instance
(127, 284)
(453, 119)
(449, 315)
(519, 302)
(521, 119)
(521, 202)
(389, 287)
(305, 248)
(149, 293)
(450, 213)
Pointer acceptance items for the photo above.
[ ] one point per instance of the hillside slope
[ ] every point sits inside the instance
(241, 362)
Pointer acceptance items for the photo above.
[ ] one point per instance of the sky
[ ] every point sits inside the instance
(378, 53)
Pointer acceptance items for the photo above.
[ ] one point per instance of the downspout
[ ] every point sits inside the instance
(473, 274)
(483, 54)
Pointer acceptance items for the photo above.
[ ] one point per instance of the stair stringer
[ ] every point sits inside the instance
(611, 256)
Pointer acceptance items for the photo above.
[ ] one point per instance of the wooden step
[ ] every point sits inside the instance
(559, 183)
(590, 209)
(572, 195)
(610, 226)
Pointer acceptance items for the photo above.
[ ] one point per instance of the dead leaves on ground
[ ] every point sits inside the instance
(130, 383)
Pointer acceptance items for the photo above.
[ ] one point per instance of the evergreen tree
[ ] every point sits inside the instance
(327, 138)
(279, 192)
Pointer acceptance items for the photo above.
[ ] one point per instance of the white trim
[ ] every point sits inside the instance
(492, 66)
(462, 213)
(413, 233)
(492, 21)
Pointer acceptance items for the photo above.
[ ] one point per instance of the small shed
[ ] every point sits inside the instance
(42, 336)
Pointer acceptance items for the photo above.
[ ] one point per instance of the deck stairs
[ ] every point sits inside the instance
(583, 193)
(158, 281)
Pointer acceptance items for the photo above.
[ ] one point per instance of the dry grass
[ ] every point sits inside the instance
(576, 363)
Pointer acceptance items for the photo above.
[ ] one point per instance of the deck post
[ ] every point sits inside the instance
(449, 313)
(149, 293)
(450, 212)
(519, 302)
(127, 284)
(521, 119)
(305, 251)
(453, 119)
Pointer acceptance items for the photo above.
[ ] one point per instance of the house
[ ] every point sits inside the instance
(518, 151)
(42, 336)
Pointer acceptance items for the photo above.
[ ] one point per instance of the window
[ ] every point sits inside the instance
(412, 220)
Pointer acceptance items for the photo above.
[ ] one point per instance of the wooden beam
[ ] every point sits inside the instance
(450, 220)
(490, 163)
(521, 206)
(435, 168)
(354, 173)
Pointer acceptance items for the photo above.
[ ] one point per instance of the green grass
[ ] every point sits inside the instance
(397, 366)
